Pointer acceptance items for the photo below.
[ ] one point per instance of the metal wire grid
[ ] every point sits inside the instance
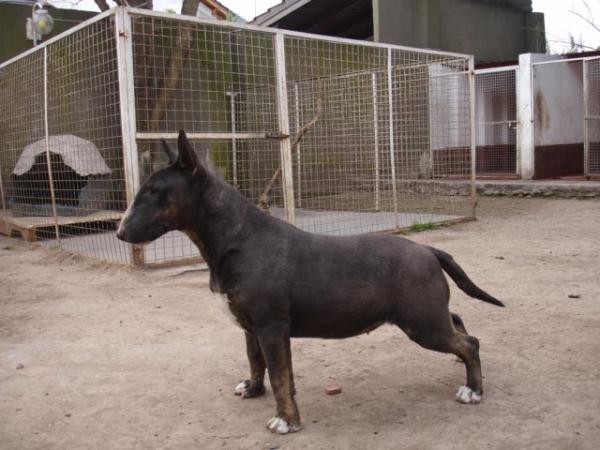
(344, 182)
(61, 113)
(21, 123)
(61, 136)
(212, 62)
(224, 98)
(496, 115)
(338, 178)
(220, 84)
(439, 142)
(83, 103)
(592, 69)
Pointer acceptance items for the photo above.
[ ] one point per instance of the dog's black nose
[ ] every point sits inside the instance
(121, 234)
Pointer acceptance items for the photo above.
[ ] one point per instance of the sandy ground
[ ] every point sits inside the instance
(116, 358)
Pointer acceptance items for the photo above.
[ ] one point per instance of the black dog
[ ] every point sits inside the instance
(281, 282)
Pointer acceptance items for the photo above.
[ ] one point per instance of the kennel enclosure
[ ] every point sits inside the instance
(388, 131)
(539, 119)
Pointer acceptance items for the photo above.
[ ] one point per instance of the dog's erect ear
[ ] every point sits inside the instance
(169, 152)
(187, 158)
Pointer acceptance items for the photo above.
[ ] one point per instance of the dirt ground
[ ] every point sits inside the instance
(109, 358)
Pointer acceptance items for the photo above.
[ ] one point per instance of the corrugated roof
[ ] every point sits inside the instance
(286, 7)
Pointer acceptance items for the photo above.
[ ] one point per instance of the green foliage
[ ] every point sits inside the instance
(419, 227)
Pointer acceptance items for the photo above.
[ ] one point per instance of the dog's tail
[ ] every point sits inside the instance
(461, 279)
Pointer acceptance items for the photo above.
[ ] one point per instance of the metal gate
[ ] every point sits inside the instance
(496, 115)
(591, 86)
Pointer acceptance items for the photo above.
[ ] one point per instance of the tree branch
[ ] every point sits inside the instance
(102, 4)
(590, 22)
(264, 201)
(178, 57)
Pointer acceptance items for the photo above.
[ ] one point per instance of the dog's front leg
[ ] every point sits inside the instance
(275, 344)
(253, 387)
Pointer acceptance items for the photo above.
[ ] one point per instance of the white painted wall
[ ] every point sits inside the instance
(558, 100)
(525, 113)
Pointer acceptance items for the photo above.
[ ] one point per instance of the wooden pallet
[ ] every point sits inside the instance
(27, 226)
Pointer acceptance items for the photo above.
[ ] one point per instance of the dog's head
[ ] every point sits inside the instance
(164, 200)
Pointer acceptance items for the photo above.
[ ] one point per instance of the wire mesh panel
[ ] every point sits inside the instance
(337, 91)
(21, 124)
(592, 69)
(61, 147)
(496, 115)
(85, 126)
(217, 83)
(432, 139)
(348, 178)
(385, 130)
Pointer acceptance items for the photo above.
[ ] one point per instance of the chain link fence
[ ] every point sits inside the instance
(387, 131)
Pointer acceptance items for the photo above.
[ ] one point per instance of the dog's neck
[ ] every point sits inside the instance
(216, 222)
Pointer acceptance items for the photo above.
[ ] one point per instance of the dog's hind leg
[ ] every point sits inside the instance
(255, 386)
(275, 345)
(441, 336)
(458, 326)
(458, 323)
(466, 348)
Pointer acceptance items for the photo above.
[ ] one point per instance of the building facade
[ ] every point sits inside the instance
(492, 30)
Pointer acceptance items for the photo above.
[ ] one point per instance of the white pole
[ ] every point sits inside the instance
(473, 126)
(586, 117)
(2, 188)
(524, 84)
(392, 147)
(298, 150)
(232, 96)
(517, 124)
(33, 32)
(131, 164)
(429, 172)
(287, 175)
(48, 162)
(376, 136)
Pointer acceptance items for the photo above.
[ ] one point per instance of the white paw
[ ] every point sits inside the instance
(240, 389)
(280, 426)
(466, 395)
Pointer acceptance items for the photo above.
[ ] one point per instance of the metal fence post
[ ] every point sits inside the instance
(2, 188)
(298, 150)
(473, 130)
(392, 147)
(519, 128)
(47, 136)
(287, 175)
(376, 143)
(131, 164)
(232, 96)
(586, 117)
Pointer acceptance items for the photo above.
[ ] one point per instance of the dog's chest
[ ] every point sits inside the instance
(223, 302)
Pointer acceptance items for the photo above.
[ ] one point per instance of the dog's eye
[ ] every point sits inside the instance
(153, 190)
